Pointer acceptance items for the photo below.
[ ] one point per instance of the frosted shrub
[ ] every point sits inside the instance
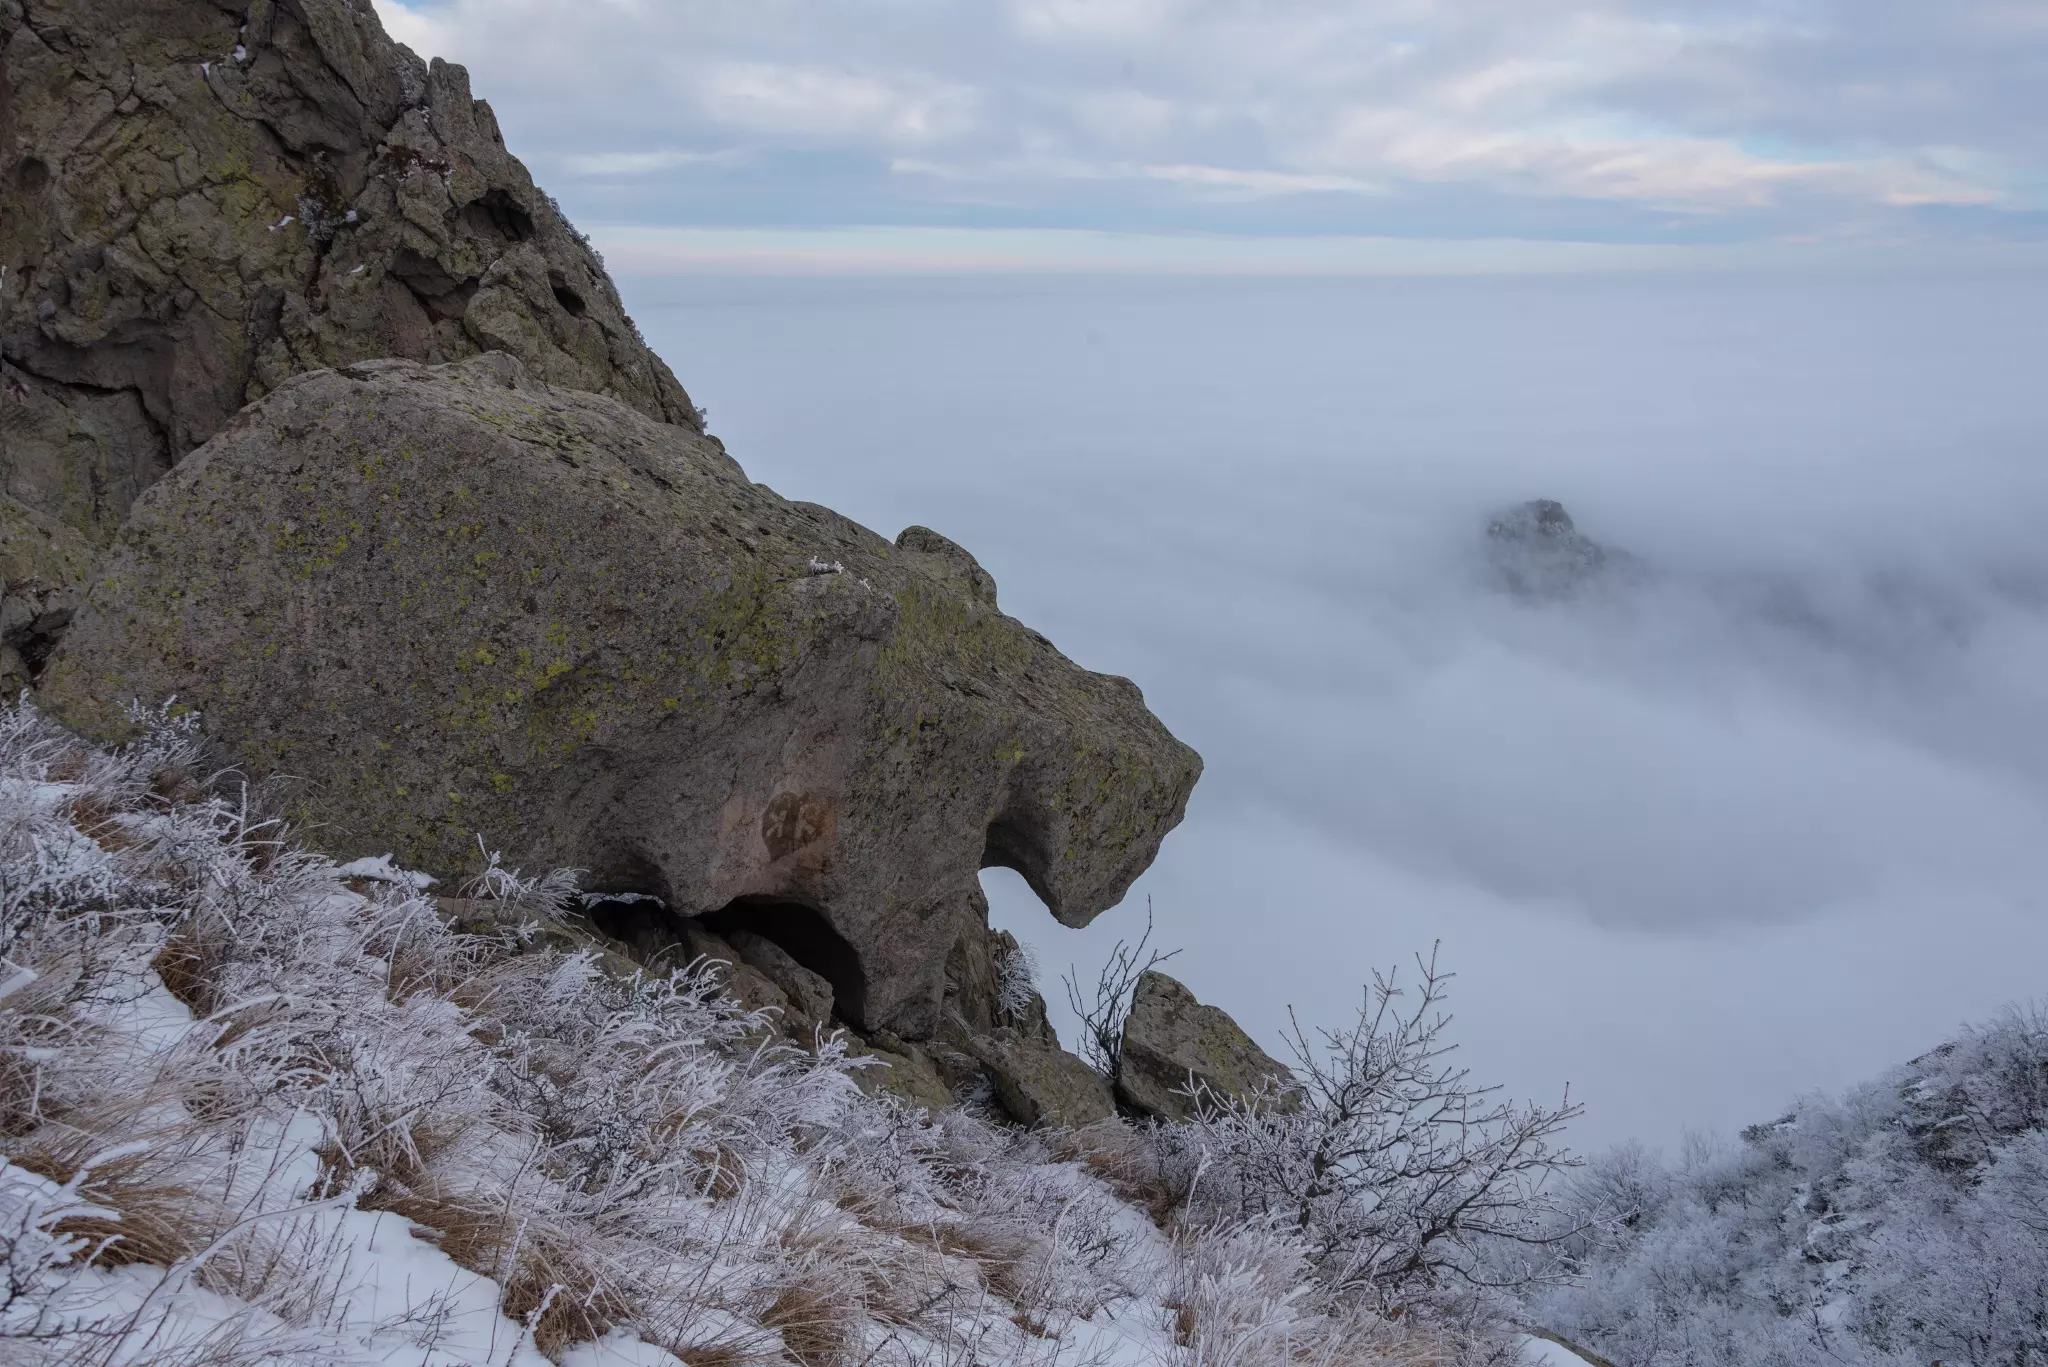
(1016, 981)
(1103, 1011)
(1402, 1177)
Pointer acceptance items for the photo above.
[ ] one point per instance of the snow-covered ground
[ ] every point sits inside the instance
(255, 1107)
(1543, 1353)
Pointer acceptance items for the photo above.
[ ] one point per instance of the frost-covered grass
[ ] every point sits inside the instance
(255, 1107)
(1904, 1223)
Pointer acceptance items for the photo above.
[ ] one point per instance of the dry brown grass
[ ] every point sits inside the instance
(70, 764)
(818, 1323)
(467, 970)
(1127, 1160)
(555, 1291)
(1006, 1258)
(98, 819)
(190, 963)
(179, 785)
(472, 1236)
(33, 1026)
(551, 1283)
(150, 1219)
(727, 1354)
(724, 1165)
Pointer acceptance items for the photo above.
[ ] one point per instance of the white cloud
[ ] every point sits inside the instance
(645, 163)
(1129, 118)
(1675, 173)
(1816, 119)
(1092, 19)
(668, 251)
(424, 35)
(1260, 182)
(819, 103)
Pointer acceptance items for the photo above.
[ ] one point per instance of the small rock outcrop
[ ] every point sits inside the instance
(997, 1031)
(199, 200)
(1172, 1044)
(1043, 1086)
(1535, 551)
(456, 601)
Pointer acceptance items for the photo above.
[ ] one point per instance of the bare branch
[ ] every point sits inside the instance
(1102, 1019)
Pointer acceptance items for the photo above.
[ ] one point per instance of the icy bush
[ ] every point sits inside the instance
(1016, 981)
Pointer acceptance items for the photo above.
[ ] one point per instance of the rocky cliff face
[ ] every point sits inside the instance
(350, 436)
(202, 198)
(454, 601)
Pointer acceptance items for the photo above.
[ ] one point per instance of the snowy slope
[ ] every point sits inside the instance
(255, 1107)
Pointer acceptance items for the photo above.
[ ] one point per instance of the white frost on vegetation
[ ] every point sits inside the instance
(256, 1107)
(1902, 1224)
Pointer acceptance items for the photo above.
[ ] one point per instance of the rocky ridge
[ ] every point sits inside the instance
(199, 200)
(1536, 551)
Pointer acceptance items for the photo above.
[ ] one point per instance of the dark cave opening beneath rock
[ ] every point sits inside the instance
(640, 921)
(808, 938)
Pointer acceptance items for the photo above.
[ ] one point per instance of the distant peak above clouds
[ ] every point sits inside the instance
(1605, 120)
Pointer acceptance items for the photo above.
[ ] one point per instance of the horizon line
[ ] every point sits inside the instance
(856, 250)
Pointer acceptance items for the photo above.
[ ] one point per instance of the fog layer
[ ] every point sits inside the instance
(1768, 814)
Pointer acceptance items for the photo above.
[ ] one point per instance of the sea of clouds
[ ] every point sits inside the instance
(1767, 815)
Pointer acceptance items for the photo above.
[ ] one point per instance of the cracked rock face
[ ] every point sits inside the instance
(454, 601)
(202, 198)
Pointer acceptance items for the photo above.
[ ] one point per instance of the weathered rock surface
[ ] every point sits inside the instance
(903, 1070)
(973, 1001)
(1005, 1039)
(1171, 1040)
(455, 601)
(202, 198)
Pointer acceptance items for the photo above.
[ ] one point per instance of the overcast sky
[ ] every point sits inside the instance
(1756, 124)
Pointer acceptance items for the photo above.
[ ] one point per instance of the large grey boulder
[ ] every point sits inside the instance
(453, 601)
(202, 198)
(1172, 1044)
